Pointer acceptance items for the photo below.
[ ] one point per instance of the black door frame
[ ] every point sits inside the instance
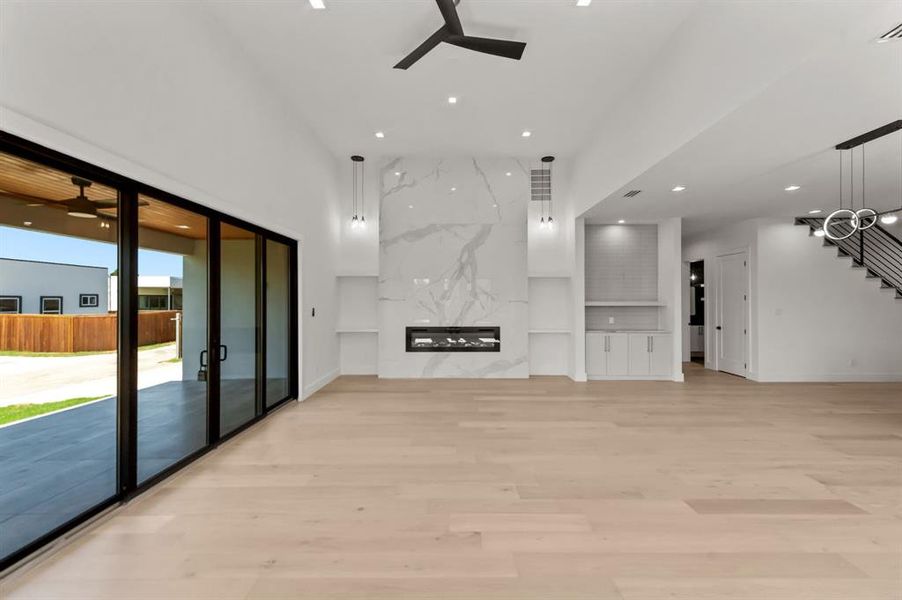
(127, 362)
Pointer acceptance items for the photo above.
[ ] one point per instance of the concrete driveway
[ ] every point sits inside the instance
(36, 379)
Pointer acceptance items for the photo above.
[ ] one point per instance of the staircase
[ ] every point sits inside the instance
(875, 250)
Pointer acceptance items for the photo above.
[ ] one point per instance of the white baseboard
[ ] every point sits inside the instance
(830, 378)
(320, 383)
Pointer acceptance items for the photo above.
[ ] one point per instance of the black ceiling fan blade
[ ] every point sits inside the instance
(503, 48)
(449, 13)
(434, 40)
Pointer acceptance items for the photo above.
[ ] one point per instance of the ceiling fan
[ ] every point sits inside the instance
(80, 206)
(452, 33)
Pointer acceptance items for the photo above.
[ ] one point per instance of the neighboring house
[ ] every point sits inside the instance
(155, 292)
(34, 287)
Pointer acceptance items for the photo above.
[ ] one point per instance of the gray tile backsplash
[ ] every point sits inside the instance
(622, 263)
(635, 318)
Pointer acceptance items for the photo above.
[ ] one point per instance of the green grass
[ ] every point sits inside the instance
(17, 412)
(65, 354)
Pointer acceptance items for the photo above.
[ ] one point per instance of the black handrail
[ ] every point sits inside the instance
(875, 249)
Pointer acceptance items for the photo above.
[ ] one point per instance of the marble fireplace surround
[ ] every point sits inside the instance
(452, 252)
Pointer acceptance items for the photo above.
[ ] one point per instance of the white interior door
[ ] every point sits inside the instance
(732, 314)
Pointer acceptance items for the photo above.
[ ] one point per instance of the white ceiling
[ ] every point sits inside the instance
(815, 78)
(336, 66)
(739, 167)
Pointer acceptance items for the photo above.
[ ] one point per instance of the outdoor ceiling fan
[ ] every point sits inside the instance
(452, 33)
(80, 206)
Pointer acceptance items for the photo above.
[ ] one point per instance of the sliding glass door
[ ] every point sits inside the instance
(238, 304)
(278, 320)
(137, 331)
(59, 247)
(172, 334)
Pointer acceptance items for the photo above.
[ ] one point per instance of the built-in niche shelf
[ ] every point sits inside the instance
(550, 324)
(358, 315)
(611, 303)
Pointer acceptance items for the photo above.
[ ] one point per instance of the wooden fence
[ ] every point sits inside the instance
(80, 333)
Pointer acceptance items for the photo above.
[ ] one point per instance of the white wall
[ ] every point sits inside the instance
(31, 280)
(812, 317)
(819, 319)
(158, 92)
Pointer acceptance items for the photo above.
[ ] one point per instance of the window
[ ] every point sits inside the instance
(11, 304)
(89, 300)
(51, 305)
(153, 302)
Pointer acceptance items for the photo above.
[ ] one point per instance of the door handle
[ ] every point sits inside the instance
(651, 340)
(607, 343)
(223, 353)
(202, 372)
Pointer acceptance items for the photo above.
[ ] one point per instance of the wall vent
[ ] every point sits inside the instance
(541, 185)
(893, 34)
(632, 193)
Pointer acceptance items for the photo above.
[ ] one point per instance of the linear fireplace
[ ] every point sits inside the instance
(453, 339)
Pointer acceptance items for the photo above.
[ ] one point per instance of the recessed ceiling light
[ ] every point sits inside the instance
(410, 206)
(508, 174)
(621, 222)
(820, 233)
(679, 188)
(454, 189)
(183, 226)
(889, 219)
(27, 223)
(397, 173)
(317, 4)
(816, 211)
(494, 206)
(380, 135)
(526, 134)
(792, 188)
(583, 2)
(452, 100)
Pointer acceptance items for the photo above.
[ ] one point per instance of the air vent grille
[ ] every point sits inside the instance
(632, 193)
(541, 185)
(893, 34)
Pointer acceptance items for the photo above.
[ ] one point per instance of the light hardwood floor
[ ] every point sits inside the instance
(715, 489)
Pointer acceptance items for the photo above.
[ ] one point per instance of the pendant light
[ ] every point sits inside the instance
(544, 195)
(358, 206)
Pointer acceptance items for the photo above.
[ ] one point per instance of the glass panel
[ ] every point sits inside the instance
(277, 322)
(172, 335)
(238, 353)
(58, 407)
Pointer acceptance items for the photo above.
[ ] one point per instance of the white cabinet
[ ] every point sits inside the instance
(651, 354)
(640, 351)
(628, 355)
(607, 354)
(661, 355)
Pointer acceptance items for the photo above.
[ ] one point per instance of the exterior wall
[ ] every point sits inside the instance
(31, 280)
